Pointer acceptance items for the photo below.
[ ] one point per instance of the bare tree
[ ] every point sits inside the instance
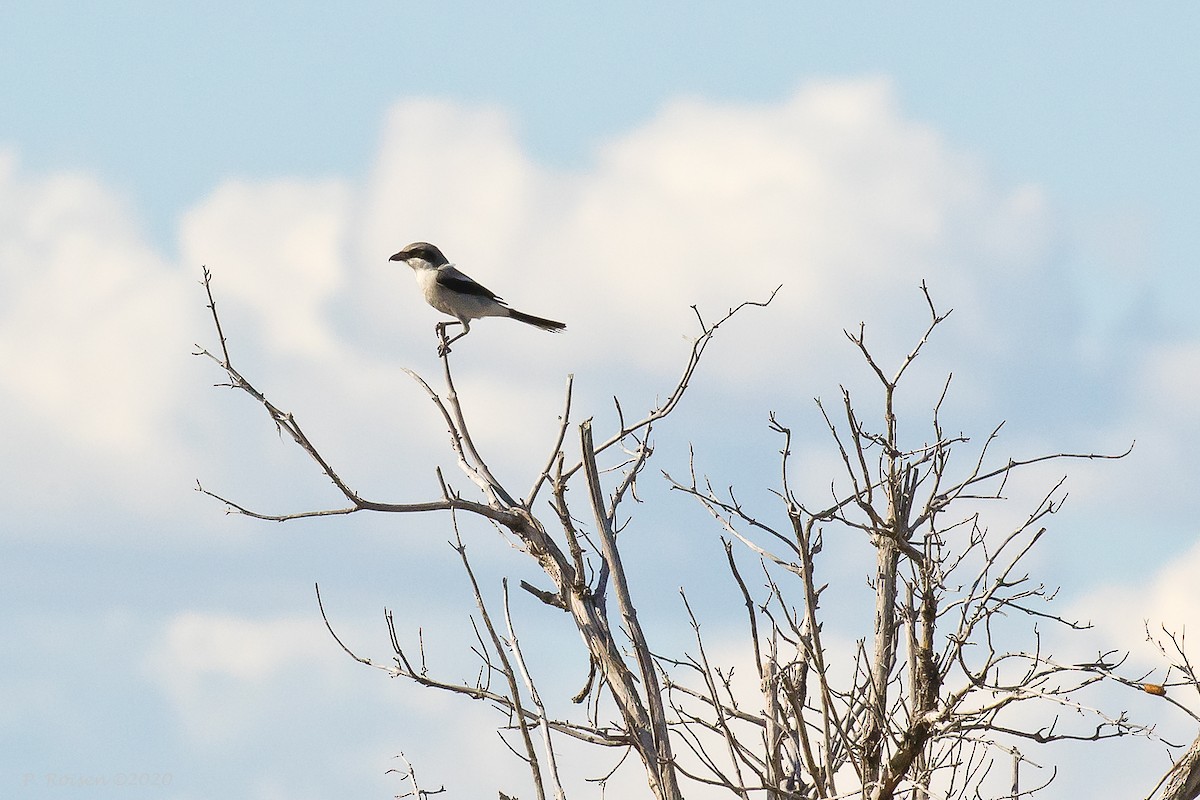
(927, 701)
(923, 703)
(1182, 780)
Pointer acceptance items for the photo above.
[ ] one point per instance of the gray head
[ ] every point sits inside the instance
(422, 250)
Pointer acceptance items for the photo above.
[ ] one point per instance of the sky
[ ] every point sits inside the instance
(610, 166)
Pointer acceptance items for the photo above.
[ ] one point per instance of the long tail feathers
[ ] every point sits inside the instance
(544, 324)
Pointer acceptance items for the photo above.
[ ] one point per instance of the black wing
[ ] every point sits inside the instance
(454, 280)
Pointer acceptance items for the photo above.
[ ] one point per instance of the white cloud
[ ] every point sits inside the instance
(94, 331)
(1149, 401)
(1121, 612)
(199, 645)
(447, 171)
(277, 247)
(833, 192)
(235, 683)
(87, 303)
(222, 672)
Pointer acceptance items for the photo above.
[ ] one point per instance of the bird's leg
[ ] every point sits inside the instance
(444, 343)
(444, 347)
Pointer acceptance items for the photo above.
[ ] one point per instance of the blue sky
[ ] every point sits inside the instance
(1035, 163)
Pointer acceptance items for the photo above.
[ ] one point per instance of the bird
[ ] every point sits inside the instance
(453, 292)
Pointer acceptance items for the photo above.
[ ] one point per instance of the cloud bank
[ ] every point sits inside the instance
(834, 192)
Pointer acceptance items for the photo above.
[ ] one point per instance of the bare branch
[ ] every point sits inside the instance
(659, 744)
(564, 420)
(410, 775)
(698, 347)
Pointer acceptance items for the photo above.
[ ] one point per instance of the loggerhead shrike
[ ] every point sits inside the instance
(453, 293)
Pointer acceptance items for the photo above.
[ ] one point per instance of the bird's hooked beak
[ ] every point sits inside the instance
(398, 257)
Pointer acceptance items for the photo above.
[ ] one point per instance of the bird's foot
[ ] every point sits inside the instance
(444, 345)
